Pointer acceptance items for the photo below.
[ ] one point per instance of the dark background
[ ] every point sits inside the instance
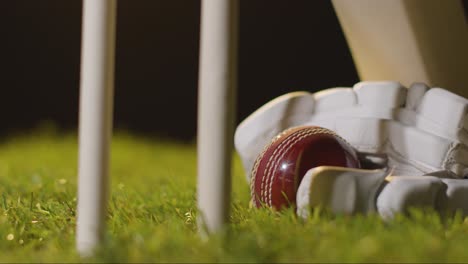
(285, 45)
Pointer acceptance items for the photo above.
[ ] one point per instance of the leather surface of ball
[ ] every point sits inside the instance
(278, 170)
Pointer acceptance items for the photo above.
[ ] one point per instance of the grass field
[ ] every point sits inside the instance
(152, 212)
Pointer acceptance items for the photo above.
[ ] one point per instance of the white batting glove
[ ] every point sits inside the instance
(420, 129)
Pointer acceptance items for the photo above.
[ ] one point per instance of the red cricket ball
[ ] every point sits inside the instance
(279, 169)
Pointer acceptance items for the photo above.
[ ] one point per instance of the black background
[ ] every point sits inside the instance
(285, 45)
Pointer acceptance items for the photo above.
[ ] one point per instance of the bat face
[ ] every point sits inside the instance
(279, 169)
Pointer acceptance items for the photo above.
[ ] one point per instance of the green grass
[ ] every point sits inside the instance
(152, 212)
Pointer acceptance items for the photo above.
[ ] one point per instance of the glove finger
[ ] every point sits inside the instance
(404, 192)
(456, 196)
(340, 189)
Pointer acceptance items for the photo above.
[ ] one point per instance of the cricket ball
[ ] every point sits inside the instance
(279, 169)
